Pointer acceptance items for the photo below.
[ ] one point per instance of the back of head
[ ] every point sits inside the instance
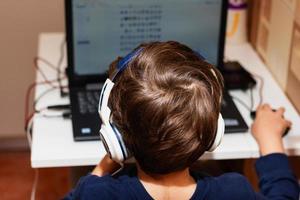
(166, 105)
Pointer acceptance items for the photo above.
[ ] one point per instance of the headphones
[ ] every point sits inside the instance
(109, 133)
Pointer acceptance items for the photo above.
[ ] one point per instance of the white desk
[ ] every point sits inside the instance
(53, 144)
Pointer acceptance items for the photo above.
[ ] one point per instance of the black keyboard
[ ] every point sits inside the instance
(88, 101)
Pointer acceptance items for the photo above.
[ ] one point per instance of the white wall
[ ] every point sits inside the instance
(20, 24)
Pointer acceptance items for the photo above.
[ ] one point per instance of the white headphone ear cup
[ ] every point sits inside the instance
(219, 134)
(111, 143)
(105, 141)
(122, 146)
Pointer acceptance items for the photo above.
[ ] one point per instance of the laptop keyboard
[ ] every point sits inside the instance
(88, 101)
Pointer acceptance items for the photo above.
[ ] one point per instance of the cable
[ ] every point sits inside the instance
(27, 96)
(52, 66)
(28, 119)
(35, 183)
(42, 95)
(59, 65)
(36, 65)
(31, 116)
(46, 80)
(260, 87)
(118, 170)
(251, 99)
(260, 93)
(48, 63)
(29, 138)
(65, 115)
(29, 131)
(242, 103)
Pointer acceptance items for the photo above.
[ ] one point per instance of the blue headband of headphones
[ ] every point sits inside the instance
(123, 63)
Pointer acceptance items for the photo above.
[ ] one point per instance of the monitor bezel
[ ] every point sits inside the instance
(76, 79)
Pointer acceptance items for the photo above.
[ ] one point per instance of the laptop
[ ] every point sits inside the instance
(98, 31)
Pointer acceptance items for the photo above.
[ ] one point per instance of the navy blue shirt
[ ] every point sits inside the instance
(276, 181)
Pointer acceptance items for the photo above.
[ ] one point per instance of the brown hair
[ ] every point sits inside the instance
(166, 104)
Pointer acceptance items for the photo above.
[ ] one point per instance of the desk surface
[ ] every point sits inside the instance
(53, 144)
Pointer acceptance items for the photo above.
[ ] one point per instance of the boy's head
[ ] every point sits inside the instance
(166, 104)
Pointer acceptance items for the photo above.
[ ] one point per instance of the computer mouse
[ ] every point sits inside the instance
(253, 115)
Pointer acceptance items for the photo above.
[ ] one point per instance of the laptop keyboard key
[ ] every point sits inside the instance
(88, 101)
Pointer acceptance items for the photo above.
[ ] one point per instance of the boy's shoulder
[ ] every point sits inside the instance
(231, 176)
(105, 187)
(229, 186)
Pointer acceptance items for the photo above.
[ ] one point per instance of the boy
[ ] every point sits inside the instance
(165, 102)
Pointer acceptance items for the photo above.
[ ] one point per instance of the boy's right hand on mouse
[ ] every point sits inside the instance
(268, 128)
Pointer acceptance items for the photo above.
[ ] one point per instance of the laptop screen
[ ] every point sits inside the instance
(106, 29)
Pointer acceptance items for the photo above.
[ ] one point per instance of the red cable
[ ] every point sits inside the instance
(35, 61)
(27, 117)
(28, 92)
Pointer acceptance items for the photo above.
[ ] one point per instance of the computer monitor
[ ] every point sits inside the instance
(104, 29)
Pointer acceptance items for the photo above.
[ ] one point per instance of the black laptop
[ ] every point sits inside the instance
(100, 30)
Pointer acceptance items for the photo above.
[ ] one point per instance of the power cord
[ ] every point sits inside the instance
(47, 81)
(261, 85)
(242, 103)
(59, 67)
(28, 118)
(66, 114)
(251, 100)
(28, 128)
(251, 108)
(35, 183)
(37, 99)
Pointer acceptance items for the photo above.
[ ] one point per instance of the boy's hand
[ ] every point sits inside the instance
(105, 166)
(268, 128)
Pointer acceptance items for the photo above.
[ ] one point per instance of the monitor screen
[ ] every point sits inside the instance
(106, 29)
